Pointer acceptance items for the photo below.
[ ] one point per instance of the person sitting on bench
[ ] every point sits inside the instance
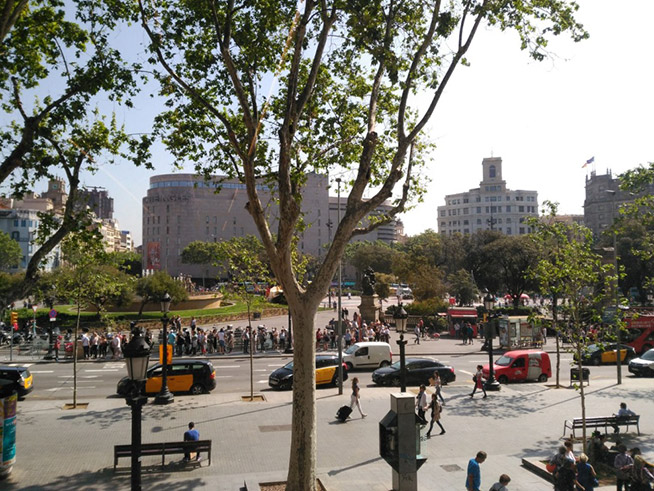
(191, 435)
(623, 412)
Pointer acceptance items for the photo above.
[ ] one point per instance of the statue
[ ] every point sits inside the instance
(368, 282)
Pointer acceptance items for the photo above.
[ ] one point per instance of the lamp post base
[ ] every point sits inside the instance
(492, 384)
(164, 397)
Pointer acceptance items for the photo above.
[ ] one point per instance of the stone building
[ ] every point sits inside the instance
(491, 206)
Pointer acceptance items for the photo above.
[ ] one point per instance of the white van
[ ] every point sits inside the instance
(371, 354)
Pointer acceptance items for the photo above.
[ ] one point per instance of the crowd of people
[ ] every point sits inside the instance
(578, 473)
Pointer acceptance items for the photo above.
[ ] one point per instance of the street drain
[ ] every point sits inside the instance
(451, 468)
(79, 405)
(254, 398)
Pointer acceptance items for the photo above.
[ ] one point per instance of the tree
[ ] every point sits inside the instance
(376, 255)
(514, 255)
(10, 252)
(462, 286)
(153, 287)
(129, 262)
(570, 270)
(349, 73)
(64, 52)
(200, 252)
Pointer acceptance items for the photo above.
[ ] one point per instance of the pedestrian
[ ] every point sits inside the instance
(436, 410)
(479, 383)
(501, 484)
(586, 475)
(641, 473)
(473, 475)
(355, 398)
(544, 334)
(422, 404)
(416, 331)
(566, 477)
(623, 464)
(191, 435)
(86, 343)
(57, 345)
(436, 383)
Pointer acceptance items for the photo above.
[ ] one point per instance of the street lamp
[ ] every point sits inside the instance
(137, 355)
(491, 383)
(164, 396)
(617, 306)
(400, 316)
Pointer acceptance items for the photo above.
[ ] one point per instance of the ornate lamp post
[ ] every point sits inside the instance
(137, 355)
(400, 316)
(164, 396)
(491, 383)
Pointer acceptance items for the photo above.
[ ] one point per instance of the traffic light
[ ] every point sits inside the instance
(14, 320)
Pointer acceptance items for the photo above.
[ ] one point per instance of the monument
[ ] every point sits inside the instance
(368, 307)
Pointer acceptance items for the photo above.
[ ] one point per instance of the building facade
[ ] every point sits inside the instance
(182, 208)
(491, 206)
(99, 201)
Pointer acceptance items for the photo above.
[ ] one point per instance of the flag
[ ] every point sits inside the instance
(589, 161)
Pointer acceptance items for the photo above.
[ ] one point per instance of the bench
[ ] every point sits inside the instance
(605, 422)
(163, 449)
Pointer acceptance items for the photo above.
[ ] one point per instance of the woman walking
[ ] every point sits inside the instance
(479, 382)
(436, 383)
(586, 475)
(355, 398)
(436, 409)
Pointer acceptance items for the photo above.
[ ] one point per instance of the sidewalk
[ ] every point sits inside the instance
(62, 450)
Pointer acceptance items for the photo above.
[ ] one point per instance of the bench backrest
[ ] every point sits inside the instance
(195, 445)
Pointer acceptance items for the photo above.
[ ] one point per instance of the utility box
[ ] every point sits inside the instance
(399, 442)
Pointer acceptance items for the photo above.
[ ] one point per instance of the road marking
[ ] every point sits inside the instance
(68, 388)
(261, 370)
(224, 376)
(466, 372)
(109, 370)
(42, 371)
(262, 381)
(90, 376)
(228, 366)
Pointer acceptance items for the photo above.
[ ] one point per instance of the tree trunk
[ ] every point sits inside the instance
(301, 469)
(555, 322)
(582, 396)
(79, 309)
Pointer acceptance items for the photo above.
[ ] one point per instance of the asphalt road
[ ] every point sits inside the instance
(98, 379)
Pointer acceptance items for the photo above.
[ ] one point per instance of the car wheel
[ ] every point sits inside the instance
(335, 380)
(197, 389)
(287, 385)
(596, 361)
(384, 364)
(503, 379)
(542, 378)
(395, 381)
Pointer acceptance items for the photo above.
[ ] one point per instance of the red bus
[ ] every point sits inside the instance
(639, 333)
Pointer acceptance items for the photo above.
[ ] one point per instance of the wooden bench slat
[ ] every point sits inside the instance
(163, 449)
(602, 421)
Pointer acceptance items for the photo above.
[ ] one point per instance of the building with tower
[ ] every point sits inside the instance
(491, 206)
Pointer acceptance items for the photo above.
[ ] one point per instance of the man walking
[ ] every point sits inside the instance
(473, 475)
(422, 404)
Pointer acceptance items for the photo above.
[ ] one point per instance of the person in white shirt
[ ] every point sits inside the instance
(422, 404)
(623, 412)
(501, 484)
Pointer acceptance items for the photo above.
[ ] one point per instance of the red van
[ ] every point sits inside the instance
(521, 365)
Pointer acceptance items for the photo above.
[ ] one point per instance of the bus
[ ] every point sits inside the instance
(639, 333)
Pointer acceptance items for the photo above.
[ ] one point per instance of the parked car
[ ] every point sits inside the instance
(644, 365)
(597, 354)
(418, 371)
(20, 377)
(326, 373)
(193, 376)
(521, 365)
(368, 354)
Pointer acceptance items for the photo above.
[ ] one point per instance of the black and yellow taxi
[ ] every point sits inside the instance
(326, 373)
(184, 376)
(20, 378)
(598, 354)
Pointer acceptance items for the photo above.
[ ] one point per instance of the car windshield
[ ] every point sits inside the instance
(649, 356)
(505, 361)
(289, 365)
(396, 365)
(593, 347)
(351, 349)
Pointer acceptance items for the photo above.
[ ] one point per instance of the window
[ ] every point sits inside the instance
(521, 209)
(491, 171)
(478, 221)
(479, 209)
(15, 236)
(522, 230)
(508, 230)
(442, 213)
(508, 208)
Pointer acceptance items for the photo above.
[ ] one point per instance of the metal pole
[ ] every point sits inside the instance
(618, 363)
(340, 294)
(402, 344)
(137, 403)
(164, 396)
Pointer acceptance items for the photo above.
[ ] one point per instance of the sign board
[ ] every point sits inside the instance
(53, 315)
(34, 307)
(169, 358)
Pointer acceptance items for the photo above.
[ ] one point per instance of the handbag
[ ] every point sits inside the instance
(550, 467)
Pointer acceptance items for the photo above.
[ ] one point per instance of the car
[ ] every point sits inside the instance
(598, 354)
(21, 379)
(644, 365)
(184, 376)
(326, 373)
(418, 371)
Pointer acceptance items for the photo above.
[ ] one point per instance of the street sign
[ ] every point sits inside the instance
(34, 307)
(53, 315)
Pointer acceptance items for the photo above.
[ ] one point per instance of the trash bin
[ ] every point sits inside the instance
(585, 375)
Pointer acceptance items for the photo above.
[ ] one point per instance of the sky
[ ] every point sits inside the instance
(544, 119)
